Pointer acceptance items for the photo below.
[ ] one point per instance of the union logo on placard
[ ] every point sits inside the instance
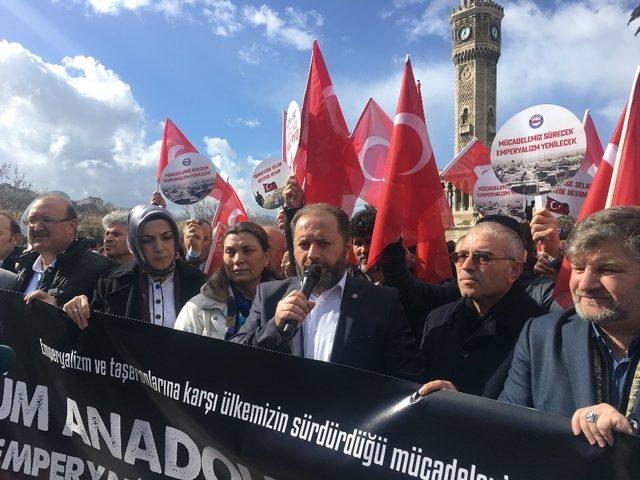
(536, 121)
(186, 162)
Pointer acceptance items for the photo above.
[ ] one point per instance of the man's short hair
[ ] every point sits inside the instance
(71, 213)
(325, 209)
(13, 224)
(515, 247)
(620, 224)
(114, 218)
(363, 221)
(507, 222)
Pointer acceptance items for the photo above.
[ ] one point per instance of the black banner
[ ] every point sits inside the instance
(127, 400)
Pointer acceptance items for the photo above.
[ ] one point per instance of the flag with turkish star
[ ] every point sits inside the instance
(460, 172)
(173, 142)
(625, 187)
(230, 212)
(594, 202)
(326, 164)
(594, 152)
(371, 137)
(411, 190)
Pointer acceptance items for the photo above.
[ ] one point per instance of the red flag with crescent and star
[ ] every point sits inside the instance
(371, 137)
(409, 205)
(173, 142)
(326, 164)
(230, 211)
(461, 171)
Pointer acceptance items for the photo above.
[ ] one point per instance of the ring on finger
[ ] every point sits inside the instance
(592, 416)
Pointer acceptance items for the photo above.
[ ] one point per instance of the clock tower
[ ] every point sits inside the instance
(476, 34)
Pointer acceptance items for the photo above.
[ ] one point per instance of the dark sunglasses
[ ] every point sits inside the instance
(479, 258)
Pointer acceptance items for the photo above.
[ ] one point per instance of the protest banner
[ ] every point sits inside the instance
(537, 152)
(268, 181)
(127, 399)
(184, 176)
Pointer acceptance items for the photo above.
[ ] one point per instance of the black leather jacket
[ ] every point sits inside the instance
(76, 272)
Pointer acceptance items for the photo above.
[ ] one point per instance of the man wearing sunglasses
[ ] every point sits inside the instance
(468, 344)
(59, 266)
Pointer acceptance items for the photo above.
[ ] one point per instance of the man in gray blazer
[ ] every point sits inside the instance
(583, 362)
(345, 320)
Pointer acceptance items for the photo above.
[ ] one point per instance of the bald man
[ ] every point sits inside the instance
(278, 248)
(60, 266)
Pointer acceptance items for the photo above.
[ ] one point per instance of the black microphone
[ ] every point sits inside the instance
(7, 358)
(310, 278)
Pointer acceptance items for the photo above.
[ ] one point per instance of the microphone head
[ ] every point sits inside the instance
(312, 271)
(7, 358)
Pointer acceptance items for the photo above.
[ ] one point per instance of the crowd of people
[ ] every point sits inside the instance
(492, 330)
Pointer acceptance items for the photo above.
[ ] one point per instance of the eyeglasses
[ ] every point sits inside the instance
(33, 221)
(479, 258)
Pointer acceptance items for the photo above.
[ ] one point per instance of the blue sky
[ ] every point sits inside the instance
(86, 84)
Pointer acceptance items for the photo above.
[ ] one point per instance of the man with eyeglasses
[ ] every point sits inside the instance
(60, 266)
(468, 344)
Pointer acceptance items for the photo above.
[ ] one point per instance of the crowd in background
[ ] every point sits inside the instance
(493, 329)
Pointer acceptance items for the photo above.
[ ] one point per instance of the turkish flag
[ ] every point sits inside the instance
(230, 211)
(173, 143)
(326, 164)
(460, 172)
(371, 137)
(624, 188)
(594, 202)
(594, 152)
(411, 190)
(556, 206)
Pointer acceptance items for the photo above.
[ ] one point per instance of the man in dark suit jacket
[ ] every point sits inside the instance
(584, 363)
(346, 320)
(8, 280)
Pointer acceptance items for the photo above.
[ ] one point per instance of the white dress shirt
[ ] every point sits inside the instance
(319, 326)
(162, 305)
(38, 271)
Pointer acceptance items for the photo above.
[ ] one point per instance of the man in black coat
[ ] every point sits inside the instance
(60, 266)
(345, 320)
(469, 343)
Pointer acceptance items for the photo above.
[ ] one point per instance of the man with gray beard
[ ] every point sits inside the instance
(345, 320)
(583, 363)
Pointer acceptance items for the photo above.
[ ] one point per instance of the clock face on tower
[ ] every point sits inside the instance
(464, 33)
(494, 32)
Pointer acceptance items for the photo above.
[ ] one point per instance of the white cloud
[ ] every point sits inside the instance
(581, 50)
(222, 15)
(256, 53)
(74, 126)
(237, 171)
(294, 27)
(292, 30)
(433, 21)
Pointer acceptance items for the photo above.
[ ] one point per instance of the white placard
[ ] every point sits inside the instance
(268, 181)
(188, 178)
(292, 132)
